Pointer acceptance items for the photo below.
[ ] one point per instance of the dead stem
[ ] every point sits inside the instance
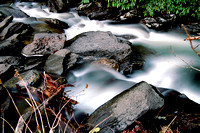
(8, 124)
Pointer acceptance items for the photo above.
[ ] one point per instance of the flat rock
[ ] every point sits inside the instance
(126, 107)
(44, 44)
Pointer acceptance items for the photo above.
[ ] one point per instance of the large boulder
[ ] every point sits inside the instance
(98, 44)
(44, 44)
(126, 107)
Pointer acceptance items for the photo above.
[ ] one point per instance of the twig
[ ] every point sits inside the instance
(190, 39)
(101, 122)
(8, 124)
(189, 66)
(169, 124)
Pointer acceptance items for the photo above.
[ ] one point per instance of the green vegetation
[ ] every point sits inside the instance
(156, 7)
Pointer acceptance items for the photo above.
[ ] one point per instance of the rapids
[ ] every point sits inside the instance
(168, 67)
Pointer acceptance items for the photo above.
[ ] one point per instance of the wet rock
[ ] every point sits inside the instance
(100, 44)
(4, 68)
(57, 5)
(193, 28)
(29, 78)
(109, 63)
(13, 28)
(10, 48)
(5, 22)
(11, 60)
(54, 63)
(70, 61)
(61, 5)
(97, 10)
(126, 107)
(160, 23)
(9, 11)
(55, 22)
(44, 44)
(45, 28)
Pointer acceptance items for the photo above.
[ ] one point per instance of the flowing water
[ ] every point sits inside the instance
(167, 67)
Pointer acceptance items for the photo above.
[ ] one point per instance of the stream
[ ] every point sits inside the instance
(167, 66)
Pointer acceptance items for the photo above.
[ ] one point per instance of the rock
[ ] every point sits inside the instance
(57, 5)
(126, 107)
(10, 48)
(11, 60)
(193, 28)
(29, 78)
(109, 63)
(55, 22)
(13, 28)
(98, 11)
(71, 60)
(44, 44)
(4, 68)
(9, 11)
(100, 44)
(160, 23)
(54, 63)
(61, 5)
(5, 22)
(41, 27)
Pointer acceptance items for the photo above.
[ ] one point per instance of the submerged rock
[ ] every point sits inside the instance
(55, 22)
(44, 44)
(126, 107)
(109, 63)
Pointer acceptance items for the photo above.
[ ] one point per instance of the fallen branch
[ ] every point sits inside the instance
(190, 39)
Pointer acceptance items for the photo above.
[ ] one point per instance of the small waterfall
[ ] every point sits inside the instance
(166, 68)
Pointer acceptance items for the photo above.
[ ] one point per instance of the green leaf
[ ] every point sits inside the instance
(97, 129)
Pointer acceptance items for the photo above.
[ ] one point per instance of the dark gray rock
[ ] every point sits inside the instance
(4, 68)
(10, 48)
(57, 5)
(54, 63)
(9, 11)
(29, 78)
(126, 107)
(71, 61)
(160, 23)
(11, 60)
(13, 28)
(44, 44)
(61, 5)
(5, 22)
(100, 44)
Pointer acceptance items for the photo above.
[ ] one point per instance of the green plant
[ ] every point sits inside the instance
(153, 7)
